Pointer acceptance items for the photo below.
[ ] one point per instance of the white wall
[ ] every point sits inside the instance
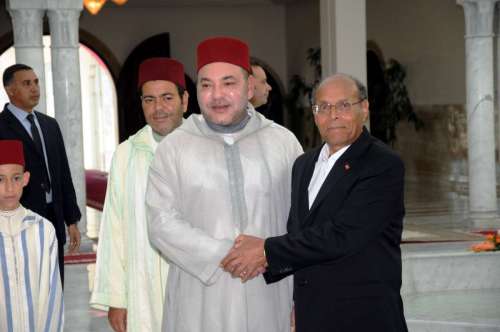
(261, 26)
(302, 32)
(427, 37)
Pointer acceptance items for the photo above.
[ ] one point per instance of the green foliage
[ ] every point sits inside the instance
(398, 105)
(299, 100)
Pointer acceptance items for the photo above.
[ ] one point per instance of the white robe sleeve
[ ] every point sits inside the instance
(110, 287)
(53, 300)
(192, 249)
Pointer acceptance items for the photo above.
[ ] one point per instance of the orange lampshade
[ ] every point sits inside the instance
(93, 6)
(119, 2)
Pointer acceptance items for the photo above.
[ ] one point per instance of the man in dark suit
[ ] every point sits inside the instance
(50, 191)
(344, 226)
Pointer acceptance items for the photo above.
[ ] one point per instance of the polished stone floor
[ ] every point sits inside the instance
(79, 317)
(466, 307)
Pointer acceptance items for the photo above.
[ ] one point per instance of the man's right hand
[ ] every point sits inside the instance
(117, 318)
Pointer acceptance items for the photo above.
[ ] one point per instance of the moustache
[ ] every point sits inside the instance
(219, 103)
(160, 114)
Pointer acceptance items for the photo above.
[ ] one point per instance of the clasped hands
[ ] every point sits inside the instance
(246, 259)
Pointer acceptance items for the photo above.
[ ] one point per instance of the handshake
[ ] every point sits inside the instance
(246, 259)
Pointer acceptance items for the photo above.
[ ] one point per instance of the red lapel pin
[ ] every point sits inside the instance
(347, 166)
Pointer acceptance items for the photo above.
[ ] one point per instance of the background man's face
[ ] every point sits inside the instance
(12, 181)
(162, 106)
(339, 130)
(24, 91)
(262, 88)
(223, 93)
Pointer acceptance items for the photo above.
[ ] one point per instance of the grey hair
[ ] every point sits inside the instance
(362, 91)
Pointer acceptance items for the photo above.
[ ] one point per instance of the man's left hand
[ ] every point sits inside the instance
(246, 259)
(74, 238)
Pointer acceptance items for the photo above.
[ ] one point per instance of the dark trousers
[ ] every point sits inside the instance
(60, 243)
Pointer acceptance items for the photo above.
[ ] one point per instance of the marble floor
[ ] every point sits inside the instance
(435, 211)
(462, 308)
(79, 317)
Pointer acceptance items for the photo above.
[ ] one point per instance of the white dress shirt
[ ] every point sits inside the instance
(322, 169)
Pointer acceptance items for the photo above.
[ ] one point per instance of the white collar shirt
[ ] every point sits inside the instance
(323, 166)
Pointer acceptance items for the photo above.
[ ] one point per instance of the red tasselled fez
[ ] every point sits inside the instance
(11, 152)
(223, 49)
(161, 69)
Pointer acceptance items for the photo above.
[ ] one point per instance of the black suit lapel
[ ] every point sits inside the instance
(45, 133)
(305, 179)
(336, 173)
(345, 165)
(16, 126)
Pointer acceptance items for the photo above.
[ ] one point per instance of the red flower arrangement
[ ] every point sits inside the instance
(492, 243)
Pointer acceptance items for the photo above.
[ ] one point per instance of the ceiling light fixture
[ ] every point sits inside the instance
(94, 6)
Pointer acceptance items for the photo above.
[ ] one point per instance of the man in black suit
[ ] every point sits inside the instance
(344, 226)
(50, 191)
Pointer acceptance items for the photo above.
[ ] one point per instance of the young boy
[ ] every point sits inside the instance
(30, 285)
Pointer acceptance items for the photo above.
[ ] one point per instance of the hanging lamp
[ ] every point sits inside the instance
(93, 6)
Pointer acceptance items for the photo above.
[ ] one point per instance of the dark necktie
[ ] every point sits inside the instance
(35, 134)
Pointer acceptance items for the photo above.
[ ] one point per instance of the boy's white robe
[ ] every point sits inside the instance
(31, 297)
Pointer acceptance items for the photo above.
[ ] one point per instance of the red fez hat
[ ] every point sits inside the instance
(224, 49)
(11, 152)
(161, 69)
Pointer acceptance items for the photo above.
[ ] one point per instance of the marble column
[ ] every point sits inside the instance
(63, 20)
(496, 64)
(27, 24)
(343, 43)
(479, 16)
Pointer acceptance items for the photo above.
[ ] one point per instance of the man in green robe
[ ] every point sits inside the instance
(131, 275)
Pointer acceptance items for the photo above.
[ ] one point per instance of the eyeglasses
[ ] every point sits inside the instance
(342, 107)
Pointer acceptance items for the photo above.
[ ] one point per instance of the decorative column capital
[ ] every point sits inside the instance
(64, 28)
(65, 4)
(25, 4)
(479, 15)
(28, 27)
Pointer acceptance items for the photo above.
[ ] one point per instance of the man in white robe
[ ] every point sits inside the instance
(222, 173)
(131, 275)
(31, 297)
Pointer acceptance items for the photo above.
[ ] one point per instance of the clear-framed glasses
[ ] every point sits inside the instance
(342, 107)
(164, 98)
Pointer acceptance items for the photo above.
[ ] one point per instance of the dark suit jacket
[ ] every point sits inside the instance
(344, 252)
(63, 193)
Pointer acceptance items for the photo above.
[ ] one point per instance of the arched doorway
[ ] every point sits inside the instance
(377, 90)
(131, 118)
